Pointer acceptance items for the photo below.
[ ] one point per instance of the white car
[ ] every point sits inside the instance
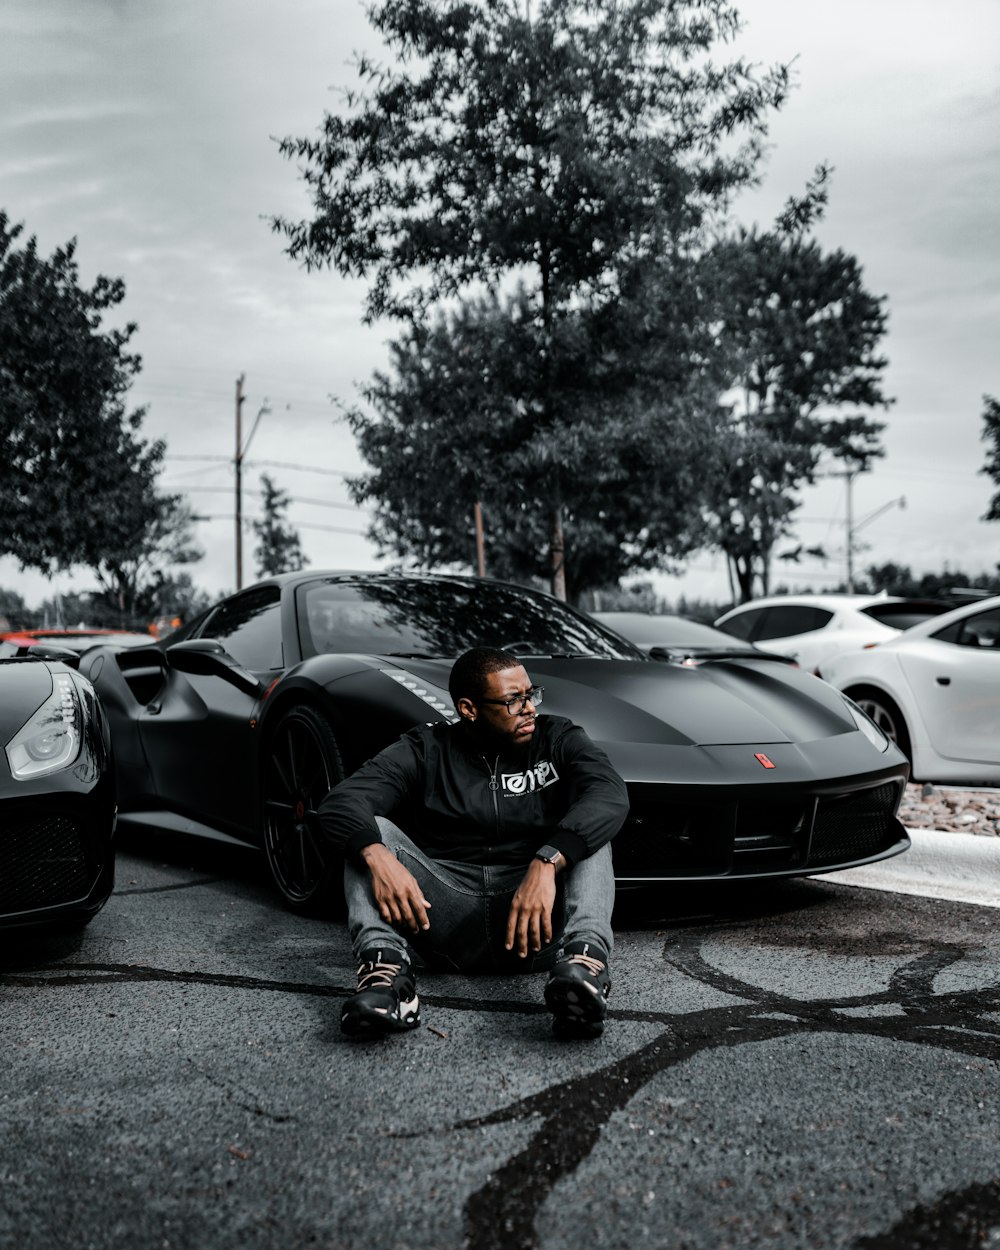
(814, 628)
(935, 690)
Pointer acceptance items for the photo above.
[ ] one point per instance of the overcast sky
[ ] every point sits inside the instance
(146, 128)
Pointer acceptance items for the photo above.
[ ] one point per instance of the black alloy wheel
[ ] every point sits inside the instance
(302, 764)
(885, 713)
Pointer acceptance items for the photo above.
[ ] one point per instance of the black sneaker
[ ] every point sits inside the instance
(577, 993)
(386, 998)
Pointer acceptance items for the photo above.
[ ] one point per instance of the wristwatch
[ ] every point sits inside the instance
(548, 854)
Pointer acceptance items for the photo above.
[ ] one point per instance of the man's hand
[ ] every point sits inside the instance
(398, 895)
(529, 924)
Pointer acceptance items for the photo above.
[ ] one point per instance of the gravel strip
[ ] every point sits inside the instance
(926, 806)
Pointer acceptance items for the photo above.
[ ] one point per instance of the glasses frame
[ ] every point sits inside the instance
(534, 696)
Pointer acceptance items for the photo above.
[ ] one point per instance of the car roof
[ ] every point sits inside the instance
(818, 600)
(935, 623)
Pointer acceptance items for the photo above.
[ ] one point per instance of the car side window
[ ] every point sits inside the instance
(785, 620)
(741, 625)
(982, 630)
(249, 627)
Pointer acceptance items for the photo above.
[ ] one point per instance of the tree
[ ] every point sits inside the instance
(14, 611)
(148, 535)
(799, 336)
(991, 436)
(279, 549)
(69, 444)
(898, 579)
(568, 149)
(454, 424)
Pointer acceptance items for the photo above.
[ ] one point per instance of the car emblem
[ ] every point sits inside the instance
(762, 758)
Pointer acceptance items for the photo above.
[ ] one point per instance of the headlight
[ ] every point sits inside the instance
(438, 699)
(867, 726)
(50, 740)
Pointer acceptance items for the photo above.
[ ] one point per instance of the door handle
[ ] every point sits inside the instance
(943, 681)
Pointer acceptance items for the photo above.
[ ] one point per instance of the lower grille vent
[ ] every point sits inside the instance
(42, 862)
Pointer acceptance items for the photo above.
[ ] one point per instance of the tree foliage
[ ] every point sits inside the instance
(567, 150)
(991, 436)
(67, 437)
(278, 547)
(799, 337)
(455, 422)
(899, 579)
(79, 482)
(148, 537)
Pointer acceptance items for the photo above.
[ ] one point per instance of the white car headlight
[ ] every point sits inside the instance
(50, 740)
(875, 736)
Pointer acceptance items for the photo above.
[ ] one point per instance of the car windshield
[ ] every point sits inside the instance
(443, 617)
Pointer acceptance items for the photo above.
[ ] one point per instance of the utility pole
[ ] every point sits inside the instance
(851, 529)
(241, 450)
(239, 481)
(848, 475)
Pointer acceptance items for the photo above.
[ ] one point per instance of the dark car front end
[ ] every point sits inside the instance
(57, 797)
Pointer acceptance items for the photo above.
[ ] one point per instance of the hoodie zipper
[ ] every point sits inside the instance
(494, 787)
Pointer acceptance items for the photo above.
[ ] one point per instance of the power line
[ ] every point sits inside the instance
(301, 468)
(256, 464)
(319, 503)
(306, 525)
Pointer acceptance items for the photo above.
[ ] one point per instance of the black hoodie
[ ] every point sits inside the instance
(456, 803)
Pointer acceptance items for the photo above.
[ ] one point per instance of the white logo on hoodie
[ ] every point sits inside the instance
(537, 778)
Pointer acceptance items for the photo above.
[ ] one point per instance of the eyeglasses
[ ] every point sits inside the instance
(517, 703)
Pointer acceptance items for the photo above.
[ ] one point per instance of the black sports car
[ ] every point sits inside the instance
(57, 796)
(238, 723)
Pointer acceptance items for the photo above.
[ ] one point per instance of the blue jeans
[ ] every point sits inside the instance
(470, 904)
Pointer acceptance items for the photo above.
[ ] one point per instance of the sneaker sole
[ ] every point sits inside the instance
(574, 1006)
(373, 1023)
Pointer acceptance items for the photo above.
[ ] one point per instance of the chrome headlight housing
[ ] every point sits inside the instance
(50, 738)
(875, 736)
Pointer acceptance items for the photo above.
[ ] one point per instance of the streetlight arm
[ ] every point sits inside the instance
(901, 502)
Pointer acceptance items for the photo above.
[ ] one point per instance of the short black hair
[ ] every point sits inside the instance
(469, 671)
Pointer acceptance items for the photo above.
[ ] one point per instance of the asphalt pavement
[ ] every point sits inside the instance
(805, 1065)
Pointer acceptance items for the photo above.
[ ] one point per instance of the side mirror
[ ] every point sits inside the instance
(205, 657)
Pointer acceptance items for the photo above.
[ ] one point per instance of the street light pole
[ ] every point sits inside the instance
(239, 482)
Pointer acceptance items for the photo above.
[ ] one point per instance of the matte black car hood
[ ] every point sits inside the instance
(742, 702)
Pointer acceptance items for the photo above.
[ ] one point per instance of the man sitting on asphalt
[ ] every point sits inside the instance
(499, 858)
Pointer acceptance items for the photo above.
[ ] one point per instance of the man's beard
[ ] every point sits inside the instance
(491, 742)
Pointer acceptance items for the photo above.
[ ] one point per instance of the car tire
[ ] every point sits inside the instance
(885, 713)
(300, 765)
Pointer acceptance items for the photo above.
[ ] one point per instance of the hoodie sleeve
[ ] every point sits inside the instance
(387, 780)
(598, 799)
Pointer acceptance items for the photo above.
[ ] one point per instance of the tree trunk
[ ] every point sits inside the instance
(557, 551)
(744, 573)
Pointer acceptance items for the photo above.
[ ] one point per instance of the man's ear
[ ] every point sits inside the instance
(466, 709)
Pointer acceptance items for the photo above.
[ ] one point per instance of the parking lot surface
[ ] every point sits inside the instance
(808, 1065)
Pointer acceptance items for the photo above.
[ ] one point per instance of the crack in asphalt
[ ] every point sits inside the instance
(502, 1214)
(965, 1220)
(177, 885)
(235, 1095)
